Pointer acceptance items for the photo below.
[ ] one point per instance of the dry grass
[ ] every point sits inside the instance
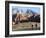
(25, 26)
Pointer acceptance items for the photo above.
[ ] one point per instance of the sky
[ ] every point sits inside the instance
(34, 9)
